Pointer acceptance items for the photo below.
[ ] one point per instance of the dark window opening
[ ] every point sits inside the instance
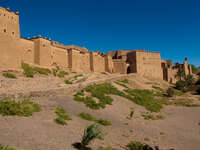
(4, 30)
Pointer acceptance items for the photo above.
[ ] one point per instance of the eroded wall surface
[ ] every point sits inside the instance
(26, 49)
(9, 40)
(149, 64)
(80, 61)
(119, 66)
(98, 62)
(59, 57)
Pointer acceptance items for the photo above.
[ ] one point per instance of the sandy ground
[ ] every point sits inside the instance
(180, 129)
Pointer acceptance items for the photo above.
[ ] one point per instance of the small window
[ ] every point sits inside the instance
(43, 45)
(4, 30)
(13, 33)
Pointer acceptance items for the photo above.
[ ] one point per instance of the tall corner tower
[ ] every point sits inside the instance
(9, 23)
(9, 40)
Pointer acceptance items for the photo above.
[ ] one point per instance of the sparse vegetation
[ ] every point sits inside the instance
(150, 116)
(28, 70)
(103, 122)
(25, 107)
(147, 139)
(131, 114)
(44, 71)
(135, 145)
(121, 84)
(194, 69)
(62, 116)
(198, 82)
(189, 81)
(104, 73)
(91, 133)
(77, 76)
(198, 90)
(62, 74)
(8, 148)
(89, 117)
(31, 71)
(55, 70)
(106, 148)
(181, 85)
(99, 91)
(9, 75)
(68, 82)
(170, 92)
(144, 98)
(180, 73)
(184, 102)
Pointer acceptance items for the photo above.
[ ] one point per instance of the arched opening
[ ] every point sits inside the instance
(128, 68)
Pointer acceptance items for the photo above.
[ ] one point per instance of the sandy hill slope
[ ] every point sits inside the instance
(178, 127)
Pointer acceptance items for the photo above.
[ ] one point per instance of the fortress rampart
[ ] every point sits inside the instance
(47, 53)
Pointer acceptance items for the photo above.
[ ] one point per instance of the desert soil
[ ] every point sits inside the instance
(180, 128)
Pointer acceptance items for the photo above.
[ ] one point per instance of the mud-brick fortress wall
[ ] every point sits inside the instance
(9, 39)
(46, 53)
(149, 64)
(79, 61)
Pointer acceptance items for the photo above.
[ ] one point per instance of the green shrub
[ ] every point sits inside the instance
(31, 71)
(181, 85)
(91, 133)
(62, 116)
(44, 71)
(55, 70)
(28, 70)
(124, 81)
(87, 116)
(9, 75)
(198, 90)
(8, 148)
(60, 121)
(194, 69)
(135, 145)
(103, 122)
(62, 74)
(170, 92)
(189, 80)
(131, 114)
(104, 73)
(20, 108)
(144, 98)
(77, 76)
(99, 91)
(106, 148)
(184, 102)
(68, 82)
(149, 116)
(198, 82)
(121, 84)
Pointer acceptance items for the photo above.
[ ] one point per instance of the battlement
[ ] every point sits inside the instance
(8, 10)
(43, 51)
(9, 23)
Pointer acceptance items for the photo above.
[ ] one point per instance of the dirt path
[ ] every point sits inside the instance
(179, 129)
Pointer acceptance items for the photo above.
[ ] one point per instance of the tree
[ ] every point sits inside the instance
(194, 69)
(91, 132)
(189, 80)
(180, 73)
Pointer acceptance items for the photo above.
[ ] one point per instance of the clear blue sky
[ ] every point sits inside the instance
(171, 27)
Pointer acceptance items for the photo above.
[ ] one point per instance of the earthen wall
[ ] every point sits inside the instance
(149, 64)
